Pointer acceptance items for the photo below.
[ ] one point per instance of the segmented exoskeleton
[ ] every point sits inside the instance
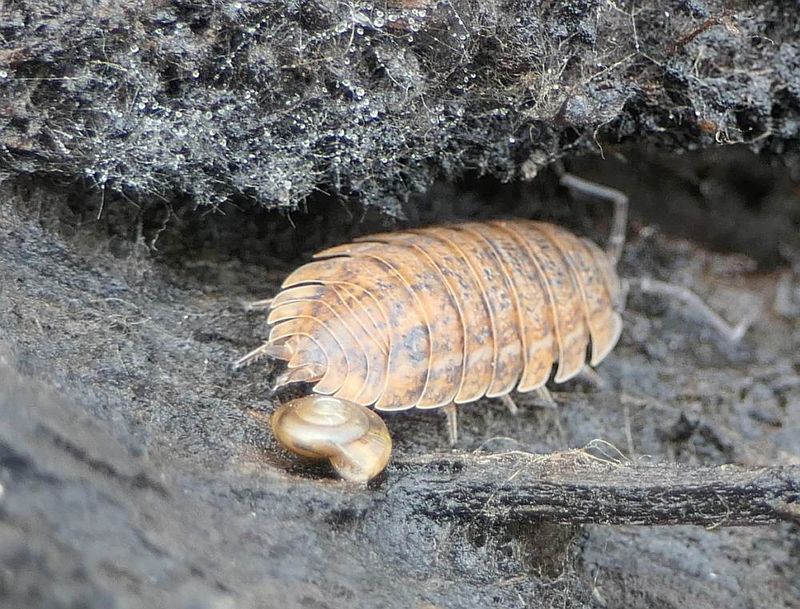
(434, 316)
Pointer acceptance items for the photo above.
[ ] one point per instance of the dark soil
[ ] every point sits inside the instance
(271, 102)
(136, 471)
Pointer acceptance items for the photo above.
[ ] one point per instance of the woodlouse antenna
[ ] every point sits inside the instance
(732, 333)
(616, 242)
(619, 221)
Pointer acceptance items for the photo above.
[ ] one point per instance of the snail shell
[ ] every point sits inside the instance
(351, 436)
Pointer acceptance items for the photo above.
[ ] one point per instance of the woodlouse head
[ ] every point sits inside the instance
(351, 436)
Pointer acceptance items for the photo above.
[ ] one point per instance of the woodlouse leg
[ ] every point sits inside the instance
(685, 295)
(452, 423)
(265, 350)
(787, 295)
(509, 403)
(543, 393)
(590, 375)
(616, 239)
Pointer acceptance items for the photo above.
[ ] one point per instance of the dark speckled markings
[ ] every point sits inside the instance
(449, 314)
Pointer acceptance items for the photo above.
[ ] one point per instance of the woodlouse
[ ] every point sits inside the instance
(445, 315)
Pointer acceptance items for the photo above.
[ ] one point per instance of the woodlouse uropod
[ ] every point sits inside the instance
(444, 315)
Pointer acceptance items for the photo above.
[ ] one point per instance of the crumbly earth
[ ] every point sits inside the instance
(136, 469)
(273, 101)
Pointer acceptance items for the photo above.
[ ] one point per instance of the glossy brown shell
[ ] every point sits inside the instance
(448, 314)
(353, 438)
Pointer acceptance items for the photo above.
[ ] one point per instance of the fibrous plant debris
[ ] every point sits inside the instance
(273, 101)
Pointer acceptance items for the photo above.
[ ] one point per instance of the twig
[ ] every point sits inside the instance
(575, 487)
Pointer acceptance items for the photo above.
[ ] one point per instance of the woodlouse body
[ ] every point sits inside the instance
(442, 315)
